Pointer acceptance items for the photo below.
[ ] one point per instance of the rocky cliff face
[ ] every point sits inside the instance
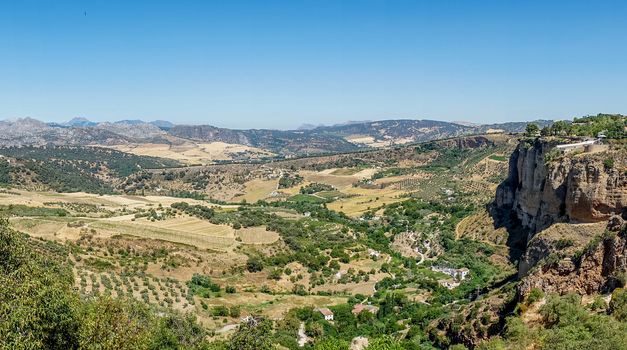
(601, 267)
(545, 187)
(575, 188)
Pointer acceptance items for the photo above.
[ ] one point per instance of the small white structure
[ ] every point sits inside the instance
(457, 274)
(373, 253)
(575, 146)
(328, 314)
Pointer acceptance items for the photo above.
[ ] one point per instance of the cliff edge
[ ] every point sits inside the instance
(545, 185)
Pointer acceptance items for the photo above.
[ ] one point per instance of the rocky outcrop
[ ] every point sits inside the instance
(601, 267)
(544, 187)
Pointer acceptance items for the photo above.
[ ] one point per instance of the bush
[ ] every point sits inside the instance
(275, 274)
(234, 311)
(618, 304)
(564, 243)
(254, 264)
(220, 311)
(534, 295)
(565, 310)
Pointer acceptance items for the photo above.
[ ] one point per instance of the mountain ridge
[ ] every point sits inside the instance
(344, 137)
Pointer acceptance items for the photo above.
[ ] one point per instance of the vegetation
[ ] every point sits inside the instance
(288, 180)
(315, 188)
(611, 125)
(381, 272)
(72, 169)
(39, 308)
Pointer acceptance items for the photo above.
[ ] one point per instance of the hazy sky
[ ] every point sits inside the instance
(278, 64)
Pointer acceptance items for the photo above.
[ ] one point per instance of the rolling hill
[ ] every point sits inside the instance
(322, 139)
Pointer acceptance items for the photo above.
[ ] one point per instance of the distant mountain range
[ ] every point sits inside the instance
(307, 140)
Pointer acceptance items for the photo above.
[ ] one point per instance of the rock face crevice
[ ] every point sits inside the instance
(578, 188)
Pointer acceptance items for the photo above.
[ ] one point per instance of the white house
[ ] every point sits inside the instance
(458, 274)
(373, 253)
(328, 314)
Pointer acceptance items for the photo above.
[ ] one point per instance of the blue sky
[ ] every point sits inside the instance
(278, 64)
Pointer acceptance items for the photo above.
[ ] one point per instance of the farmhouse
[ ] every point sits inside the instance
(373, 253)
(458, 274)
(358, 308)
(328, 314)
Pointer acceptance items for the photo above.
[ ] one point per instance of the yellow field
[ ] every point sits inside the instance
(360, 201)
(257, 235)
(193, 153)
(371, 142)
(364, 199)
(258, 189)
(48, 228)
(326, 176)
(110, 202)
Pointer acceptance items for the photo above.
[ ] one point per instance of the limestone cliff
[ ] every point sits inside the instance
(556, 197)
(599, 267)
(544, 187)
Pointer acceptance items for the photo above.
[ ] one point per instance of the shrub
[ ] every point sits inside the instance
(564, 310)
(220, 311)
(234, 311)
(254, 264)
(534, 295)
(618, 304)
(564, 243)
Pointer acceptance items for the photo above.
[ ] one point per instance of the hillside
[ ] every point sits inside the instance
(71, 168)
(133, 134)
(442, 244)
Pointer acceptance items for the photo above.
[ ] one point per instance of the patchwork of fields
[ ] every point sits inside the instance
(139, 246)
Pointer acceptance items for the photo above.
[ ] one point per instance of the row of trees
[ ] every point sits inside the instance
(612, 125)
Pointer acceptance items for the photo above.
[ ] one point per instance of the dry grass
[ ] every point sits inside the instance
(362, 199)
(257, 235)
(194, 153)
(218, 238)
(257, 189)
(44, 227)
(110, 202)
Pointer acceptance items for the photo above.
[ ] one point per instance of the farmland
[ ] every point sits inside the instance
(228, 241)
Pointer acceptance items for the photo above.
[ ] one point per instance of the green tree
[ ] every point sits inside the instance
(384, 343)
(254, 264)
(618, 304)
(175, 332)
(110, 324)
(561, 127)
(332, 344)
(37, 305)
(252, 335)
(532, 129)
